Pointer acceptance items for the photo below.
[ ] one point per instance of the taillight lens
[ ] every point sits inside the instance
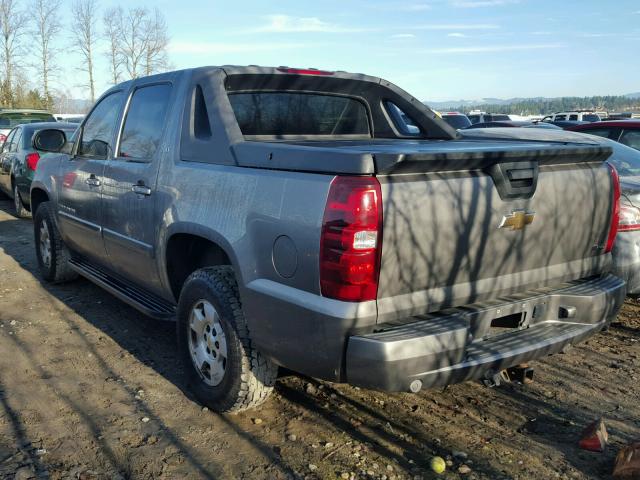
(615, 214)
(3, 137)
(32, 161)
(629, 218)
(351, 239)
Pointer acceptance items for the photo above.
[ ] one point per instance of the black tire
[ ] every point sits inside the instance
(56, 269)
(248, 376)
(21, 211)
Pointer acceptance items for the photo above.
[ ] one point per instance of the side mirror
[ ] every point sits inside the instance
(49, 140)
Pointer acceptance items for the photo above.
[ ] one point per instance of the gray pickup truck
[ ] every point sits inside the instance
(328, 223)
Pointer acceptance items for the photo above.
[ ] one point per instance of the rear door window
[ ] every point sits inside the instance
(600, 132)
(144, 123)
(297, 113)
(573, 117)
(7, 143)
(15, 143)
(631, 138)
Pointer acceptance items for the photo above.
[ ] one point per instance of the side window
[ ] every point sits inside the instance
(97, 133)
(559, 118)
(144, 122)
(631, 138)
(573, 117)
(403, 122)
(15, 143)
(600, 132)
(6, 147)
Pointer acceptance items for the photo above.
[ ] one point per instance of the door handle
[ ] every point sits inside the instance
(92, 181)
(141, 190)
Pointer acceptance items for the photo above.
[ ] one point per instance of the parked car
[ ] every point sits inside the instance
(574, 116)
(626, 132)
(513, 124)
(316, 232)
(626, 250)
(69, 117)
(456, 119)
(481, 117)
(10, 118)
(623, 116)
(19, 159)
(564, 124)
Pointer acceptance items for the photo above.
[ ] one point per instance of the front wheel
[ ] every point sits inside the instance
(21, 212)
(224, 371)
(51, 252)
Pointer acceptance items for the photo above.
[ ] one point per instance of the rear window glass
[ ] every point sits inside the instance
(590, 117)
(290, 113)
(13, 119)
(500, 118)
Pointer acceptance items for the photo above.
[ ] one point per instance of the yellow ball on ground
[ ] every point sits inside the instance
(438, 464)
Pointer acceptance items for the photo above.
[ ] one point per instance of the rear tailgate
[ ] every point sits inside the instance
(470, 221)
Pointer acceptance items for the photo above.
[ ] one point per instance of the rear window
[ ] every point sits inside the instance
(13, 119)
(500, 118)
(290, 113)
(590, 117)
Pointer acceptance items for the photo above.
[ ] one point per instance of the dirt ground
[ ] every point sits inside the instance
(89, 388)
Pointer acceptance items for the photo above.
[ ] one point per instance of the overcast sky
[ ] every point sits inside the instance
(435, 49)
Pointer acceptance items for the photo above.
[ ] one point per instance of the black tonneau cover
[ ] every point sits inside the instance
(407, 156)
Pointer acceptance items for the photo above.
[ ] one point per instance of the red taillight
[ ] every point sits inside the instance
(304, 71)
(351, 239)
(629, 218)
(3, 137)
(615, 214)
(32, 161)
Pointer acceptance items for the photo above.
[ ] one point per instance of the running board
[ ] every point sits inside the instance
(146, 302)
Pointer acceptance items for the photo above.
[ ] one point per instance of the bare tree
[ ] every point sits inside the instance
(47, 29)
(113, 23)
(155, 59)
(138, 41)
(134, 40)
(12, 27)
(85, 36)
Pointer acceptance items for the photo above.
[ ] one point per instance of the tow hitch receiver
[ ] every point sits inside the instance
(521, 373)
(495, 379)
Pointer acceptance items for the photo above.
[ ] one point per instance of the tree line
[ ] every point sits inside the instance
(133, 42)
(545, 106)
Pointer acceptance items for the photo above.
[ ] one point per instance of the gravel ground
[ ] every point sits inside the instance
(91, 389)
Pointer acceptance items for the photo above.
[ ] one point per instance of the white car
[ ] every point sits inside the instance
(576, 116)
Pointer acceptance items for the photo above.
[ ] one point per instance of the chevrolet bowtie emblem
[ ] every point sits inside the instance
(517, 220)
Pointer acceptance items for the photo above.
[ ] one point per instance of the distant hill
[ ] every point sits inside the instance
(543, 105)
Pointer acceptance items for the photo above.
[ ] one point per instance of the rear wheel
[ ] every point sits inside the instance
(224, 371)
(19, 206)
(52, 254)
